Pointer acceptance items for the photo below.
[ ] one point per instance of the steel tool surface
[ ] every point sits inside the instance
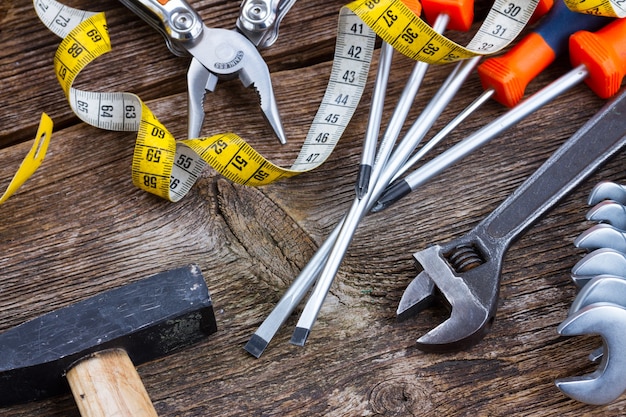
(602, 236)
(467, 270)
(607, 382)
(602, 288)
(600, 261)
(607, 190)
(608, 211)
(600, 304)
(599, 59)
(218, 53)
(303, 282)
(96, 342)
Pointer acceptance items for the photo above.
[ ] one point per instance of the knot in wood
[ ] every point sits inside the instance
(399, 397)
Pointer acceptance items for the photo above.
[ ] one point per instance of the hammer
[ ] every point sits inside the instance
(94, 344)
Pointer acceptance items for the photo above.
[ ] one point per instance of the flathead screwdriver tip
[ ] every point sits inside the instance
(256, 346)
(394, 193)
(299, 336)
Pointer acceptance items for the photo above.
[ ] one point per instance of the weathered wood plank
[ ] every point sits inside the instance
(79, 227)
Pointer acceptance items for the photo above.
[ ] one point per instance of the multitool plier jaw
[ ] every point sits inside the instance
(221, 54)
(217, 54)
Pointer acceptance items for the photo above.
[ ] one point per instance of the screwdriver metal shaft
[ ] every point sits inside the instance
(505, 77)
(360, 207)
(479, 138)
(305, 280)
(374, 121)
(599, 59)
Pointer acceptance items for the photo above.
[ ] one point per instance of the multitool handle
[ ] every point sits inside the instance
(601, 137)
(176, 20)
(259, 20)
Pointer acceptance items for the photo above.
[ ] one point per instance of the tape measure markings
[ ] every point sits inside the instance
(355, 44)
(227, 153)
(610, 8)
(62, 20)
(398, 25)
(245, 166)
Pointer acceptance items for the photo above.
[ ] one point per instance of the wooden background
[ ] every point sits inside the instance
(79, 227)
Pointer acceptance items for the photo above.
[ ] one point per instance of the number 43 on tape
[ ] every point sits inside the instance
(167, 167)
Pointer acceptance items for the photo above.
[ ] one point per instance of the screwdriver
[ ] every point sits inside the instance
(599, 59)
(378, 97)
(386, 163)
(453, 14)
(298, 289)
(456, 15)
(505, 78)
(360, 207)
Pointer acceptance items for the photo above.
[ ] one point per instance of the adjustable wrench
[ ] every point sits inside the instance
(467, 270)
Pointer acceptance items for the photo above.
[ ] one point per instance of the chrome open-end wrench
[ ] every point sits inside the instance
(607, 382)
(467, 270)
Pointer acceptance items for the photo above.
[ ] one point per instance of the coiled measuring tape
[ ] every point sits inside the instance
(169, 168)
(609, 8)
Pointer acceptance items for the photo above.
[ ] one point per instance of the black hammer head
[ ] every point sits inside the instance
(148, 319)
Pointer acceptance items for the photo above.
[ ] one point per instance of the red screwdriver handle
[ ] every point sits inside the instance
(414, 5)
(509, 74)
(460, 12)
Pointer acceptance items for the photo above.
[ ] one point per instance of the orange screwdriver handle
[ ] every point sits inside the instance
(414, 5)
(460, 12)
(509, 75)
(542, 9)
(604, 55)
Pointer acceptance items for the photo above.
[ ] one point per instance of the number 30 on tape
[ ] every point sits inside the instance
(166, 167)
(399, 26)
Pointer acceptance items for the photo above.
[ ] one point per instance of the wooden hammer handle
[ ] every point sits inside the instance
(107, 384)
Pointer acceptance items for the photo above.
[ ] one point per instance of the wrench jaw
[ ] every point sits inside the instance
(607, 382)
(608, 211)
(418, 296)
(602, 236)
(468, 323)
(601, 261)
(469, 285)
(601, 288)
(607, 190)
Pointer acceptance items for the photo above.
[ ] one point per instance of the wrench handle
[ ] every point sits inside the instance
(595, 142)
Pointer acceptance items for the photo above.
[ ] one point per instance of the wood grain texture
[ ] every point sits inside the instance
(79, 227)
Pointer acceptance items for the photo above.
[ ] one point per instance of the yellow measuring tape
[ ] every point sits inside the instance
(610, 8)
(395, 23)
(33, 158)
(169, 168)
